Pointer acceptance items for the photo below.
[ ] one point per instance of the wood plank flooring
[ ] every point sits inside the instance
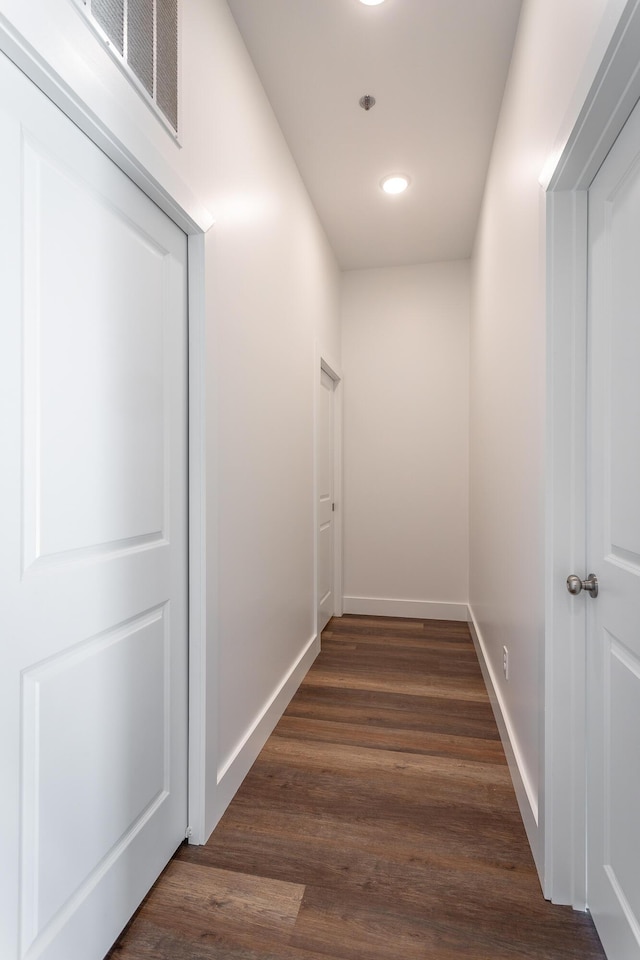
(378, 823)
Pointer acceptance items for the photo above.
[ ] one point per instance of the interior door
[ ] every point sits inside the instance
(613, 696)
(93, 544)
(325, 501)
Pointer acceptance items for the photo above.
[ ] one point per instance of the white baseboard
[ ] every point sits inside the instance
(525, 793)
(418, 609)
(235, 769)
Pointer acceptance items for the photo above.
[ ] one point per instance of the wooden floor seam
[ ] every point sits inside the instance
(379, 822)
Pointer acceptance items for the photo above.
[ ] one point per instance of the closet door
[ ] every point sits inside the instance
(93, 545)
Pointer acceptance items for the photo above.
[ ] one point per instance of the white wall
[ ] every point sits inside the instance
(559, 46)
(405, 363)
(272, 288)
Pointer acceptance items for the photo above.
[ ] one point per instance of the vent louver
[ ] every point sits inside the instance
(167, 56)
(109, 14)
(140, 53)
(143, 37)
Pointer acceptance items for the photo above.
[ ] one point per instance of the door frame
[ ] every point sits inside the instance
(612, 85)
(323, 362)
(180, 205)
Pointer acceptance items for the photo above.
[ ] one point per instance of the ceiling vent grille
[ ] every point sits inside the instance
(142, 36)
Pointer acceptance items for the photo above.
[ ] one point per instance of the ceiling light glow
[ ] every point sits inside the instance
(397, 183)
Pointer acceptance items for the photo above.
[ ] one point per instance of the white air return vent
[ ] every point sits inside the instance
(142, 36)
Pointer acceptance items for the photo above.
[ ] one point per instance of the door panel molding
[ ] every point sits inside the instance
(139, 642)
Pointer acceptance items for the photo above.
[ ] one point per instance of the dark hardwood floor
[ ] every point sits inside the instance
(378, 823)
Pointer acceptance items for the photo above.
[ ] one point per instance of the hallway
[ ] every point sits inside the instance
(379, 822)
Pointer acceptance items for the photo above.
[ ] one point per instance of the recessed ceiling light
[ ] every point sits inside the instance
(396, 183)
(371, 3)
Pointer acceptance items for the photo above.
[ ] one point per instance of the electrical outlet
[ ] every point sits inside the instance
(505, 662)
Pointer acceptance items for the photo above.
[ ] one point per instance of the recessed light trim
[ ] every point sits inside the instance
(371, 3)
(395, 183)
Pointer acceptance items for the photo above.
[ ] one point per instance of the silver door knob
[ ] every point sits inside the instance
(575, 585)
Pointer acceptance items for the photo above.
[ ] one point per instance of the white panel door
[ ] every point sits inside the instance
(93, 521)
(325, 501)
(613, 696)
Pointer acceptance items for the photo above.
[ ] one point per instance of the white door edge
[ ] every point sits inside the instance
(180, 205)
(608, 104)
(323, 361)
(203, 760)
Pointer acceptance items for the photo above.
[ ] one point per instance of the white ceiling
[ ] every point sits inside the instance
(437, 69)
